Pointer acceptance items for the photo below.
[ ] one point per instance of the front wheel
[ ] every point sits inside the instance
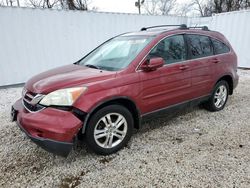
(109, 129)
(218, 99)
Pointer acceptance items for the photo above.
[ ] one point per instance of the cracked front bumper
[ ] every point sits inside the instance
(52, 129)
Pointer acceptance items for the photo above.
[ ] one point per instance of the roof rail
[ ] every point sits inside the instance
(181, 26)
(205, 28)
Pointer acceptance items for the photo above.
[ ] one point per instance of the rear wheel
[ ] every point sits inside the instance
(109, 129)
(219, 97)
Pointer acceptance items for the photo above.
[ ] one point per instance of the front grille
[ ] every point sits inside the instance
(32, 108)
(28, 96)
(30, 101)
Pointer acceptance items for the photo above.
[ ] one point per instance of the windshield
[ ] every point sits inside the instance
(117, 53)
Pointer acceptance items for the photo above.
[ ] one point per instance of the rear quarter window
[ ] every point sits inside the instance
(219, 47)
(199, 46)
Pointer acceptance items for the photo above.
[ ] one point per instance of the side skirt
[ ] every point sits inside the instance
(176, 107)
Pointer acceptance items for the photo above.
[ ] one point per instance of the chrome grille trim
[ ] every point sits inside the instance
(31, 110)
(36, 99)
(29, 95)
(30, 101)
(26, 100)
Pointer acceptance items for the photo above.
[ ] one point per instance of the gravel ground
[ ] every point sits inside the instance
(192, 148)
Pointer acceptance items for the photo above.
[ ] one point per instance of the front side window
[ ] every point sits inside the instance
(219, 47)
(171, 49)
(117, 53)
(199, 46)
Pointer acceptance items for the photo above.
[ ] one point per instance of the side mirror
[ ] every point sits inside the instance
(152, 64)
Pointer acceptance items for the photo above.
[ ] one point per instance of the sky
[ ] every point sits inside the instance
(124, 6)
(121, 6)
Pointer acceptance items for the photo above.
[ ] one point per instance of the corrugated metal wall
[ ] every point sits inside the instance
(235, 26)
(198, 21)
(34, 40)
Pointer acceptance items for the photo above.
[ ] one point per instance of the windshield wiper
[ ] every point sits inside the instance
(92, 66)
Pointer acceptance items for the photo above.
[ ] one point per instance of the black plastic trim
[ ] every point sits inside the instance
(52, 146)
(13, 114)
(181, 26)
(79, 114)
(175, 107)
(205, 28)
(63, 108)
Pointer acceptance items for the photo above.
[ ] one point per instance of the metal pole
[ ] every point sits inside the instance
(139, 6)
(18, 3)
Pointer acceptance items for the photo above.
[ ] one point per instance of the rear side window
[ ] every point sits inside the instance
(219, 47)
(171, 49)
(199, 46)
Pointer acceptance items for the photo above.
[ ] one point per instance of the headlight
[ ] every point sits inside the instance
(63, 97)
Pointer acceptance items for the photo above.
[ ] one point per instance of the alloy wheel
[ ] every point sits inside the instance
(110, 130)
(220, 96)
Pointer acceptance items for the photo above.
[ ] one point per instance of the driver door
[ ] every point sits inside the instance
(170, 84)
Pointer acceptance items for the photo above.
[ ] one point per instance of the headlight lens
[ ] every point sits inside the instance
(63, 97)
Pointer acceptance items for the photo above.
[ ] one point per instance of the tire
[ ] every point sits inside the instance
(218, 99)
(109, 129)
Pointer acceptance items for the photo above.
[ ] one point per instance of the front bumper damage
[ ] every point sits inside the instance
(52, 129)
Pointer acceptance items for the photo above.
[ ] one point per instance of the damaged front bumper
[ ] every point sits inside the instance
(52, 129)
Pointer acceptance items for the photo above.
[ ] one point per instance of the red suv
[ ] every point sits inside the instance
(130, 77)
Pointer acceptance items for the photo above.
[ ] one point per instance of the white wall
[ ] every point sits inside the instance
(199, 21)
(34, 40)
(236, 27)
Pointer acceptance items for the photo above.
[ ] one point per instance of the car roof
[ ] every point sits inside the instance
(157, 30)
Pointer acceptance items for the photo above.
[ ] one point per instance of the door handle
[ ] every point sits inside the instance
(215, 60)
(183, 67)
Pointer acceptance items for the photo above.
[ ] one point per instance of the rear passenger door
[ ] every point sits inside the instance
(200, 52)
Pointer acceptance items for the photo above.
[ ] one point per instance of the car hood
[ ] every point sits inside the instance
(66, 76)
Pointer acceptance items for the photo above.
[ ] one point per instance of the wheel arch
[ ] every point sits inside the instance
(229, 80)
(121, 100)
